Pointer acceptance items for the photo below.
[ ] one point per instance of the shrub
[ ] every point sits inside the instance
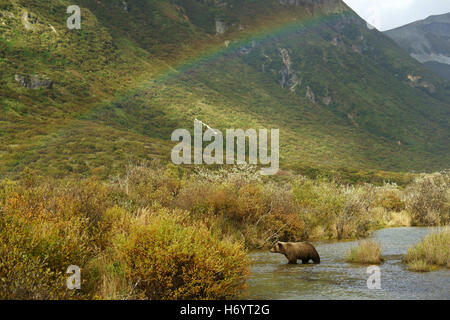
(389, 197)
(354, 220)
(35, 250)
(22, 274)
(244, 208)
(433, 251)
(367, 252)
(428, 199)
(166, 256)
(278, 219)
(319, 204)
(46, 226)
(339, 212)
(147, 182)
(399, 219)
(188, 241)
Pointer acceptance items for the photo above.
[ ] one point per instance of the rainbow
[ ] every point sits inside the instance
(277, 29)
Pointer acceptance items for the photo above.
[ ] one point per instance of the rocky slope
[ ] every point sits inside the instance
(428, 41)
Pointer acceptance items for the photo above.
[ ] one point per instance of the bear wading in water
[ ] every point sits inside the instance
(294, 251)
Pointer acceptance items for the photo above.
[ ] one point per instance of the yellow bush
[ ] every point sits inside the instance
(428, 199)
(400, 219)
(389, 197)
(36, 252)
(43, 230)
(167, 257)
(433, 251)
(367, 252)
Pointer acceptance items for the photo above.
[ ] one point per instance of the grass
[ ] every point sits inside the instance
(367, 252)
(431, 253)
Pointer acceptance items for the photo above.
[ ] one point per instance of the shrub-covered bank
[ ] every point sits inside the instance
(160, 232)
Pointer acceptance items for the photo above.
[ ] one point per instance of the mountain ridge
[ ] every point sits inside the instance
(428, 41)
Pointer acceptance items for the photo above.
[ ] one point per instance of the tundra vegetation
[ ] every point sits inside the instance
(166, 232)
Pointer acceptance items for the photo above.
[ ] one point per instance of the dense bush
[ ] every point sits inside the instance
(168, 257)
(46, 226)
(241, 204)
(428, 199)
(333, 211)
(42, 232)
(22, 274)
(162, 232)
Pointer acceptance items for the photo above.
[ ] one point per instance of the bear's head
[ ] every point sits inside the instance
(279, 247)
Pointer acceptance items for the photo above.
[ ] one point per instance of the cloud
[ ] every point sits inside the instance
(397, 5)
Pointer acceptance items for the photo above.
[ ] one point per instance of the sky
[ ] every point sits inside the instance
(389, 14)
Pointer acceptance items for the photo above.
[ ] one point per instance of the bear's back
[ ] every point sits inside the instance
(304, 250)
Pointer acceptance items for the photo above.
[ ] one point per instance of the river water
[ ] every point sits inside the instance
(272, 278)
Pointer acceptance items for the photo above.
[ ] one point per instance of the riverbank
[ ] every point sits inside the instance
(50, 224)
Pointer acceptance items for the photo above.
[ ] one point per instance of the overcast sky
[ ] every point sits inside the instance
(389, 14)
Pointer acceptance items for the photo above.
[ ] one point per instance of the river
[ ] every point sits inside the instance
(272, 278)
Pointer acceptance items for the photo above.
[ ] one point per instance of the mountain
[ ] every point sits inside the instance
(86, 102)
(428, 41)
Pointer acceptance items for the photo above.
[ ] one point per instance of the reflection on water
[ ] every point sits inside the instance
(272, 278)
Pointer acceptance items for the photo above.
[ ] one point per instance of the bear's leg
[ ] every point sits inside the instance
(305, 261)
(293, 261)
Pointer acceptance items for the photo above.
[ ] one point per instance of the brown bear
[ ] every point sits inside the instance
(294, 251)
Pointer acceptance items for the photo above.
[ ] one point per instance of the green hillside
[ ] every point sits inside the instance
(342, 95)
(440, 68)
